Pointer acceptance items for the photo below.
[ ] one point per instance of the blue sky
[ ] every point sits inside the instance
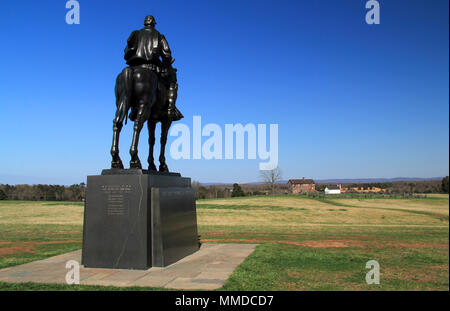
(351, 100)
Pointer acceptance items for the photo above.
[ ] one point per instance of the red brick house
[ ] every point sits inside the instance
(303, 185)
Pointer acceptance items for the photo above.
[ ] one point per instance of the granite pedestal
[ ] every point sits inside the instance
(135, 219)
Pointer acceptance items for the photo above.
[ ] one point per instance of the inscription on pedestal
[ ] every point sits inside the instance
(116, 198)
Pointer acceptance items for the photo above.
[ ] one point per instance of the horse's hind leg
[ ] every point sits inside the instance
(151, 142)
(138, 124)
(165, 125)
(122, 103)
(117, 127)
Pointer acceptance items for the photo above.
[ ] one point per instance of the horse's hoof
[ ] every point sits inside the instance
(152, 167)
(135, 164)
(163, 168)
(117, 164)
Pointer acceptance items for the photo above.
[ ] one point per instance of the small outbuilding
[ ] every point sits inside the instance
(333, 189)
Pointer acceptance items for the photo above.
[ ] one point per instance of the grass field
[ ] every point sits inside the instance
(305, 244)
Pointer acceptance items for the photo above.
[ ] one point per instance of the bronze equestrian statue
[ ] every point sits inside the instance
(148, 87)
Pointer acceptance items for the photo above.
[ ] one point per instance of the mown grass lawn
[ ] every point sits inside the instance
(305, 244)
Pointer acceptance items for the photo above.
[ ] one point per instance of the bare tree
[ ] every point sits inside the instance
(271, 177)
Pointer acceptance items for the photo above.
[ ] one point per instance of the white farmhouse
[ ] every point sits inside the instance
(333, 190)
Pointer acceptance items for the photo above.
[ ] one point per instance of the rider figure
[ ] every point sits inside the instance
(147, 47)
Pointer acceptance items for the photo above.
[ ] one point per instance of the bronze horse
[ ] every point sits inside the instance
(150, 93)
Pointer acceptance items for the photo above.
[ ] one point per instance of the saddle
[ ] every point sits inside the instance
(173, 114)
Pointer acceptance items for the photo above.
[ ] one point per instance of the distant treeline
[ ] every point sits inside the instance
(77, 192)
(401, 188)
(43, 192)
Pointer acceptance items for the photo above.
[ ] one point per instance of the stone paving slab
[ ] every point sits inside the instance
(206, 269)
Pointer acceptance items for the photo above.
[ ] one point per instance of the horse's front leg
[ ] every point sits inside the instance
(165, 125)
(151, 142)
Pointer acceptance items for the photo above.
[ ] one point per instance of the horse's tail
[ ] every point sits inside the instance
(123, 92)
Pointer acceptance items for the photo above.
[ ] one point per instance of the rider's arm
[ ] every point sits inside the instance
(166, 54)
(131, 46)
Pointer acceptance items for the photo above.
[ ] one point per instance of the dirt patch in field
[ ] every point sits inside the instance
(337, 243)
(312, 244)
(16, 249)
(322, 244)
(27, 247)
(54, 242)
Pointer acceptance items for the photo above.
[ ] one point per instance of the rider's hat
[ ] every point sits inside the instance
(149, 20)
